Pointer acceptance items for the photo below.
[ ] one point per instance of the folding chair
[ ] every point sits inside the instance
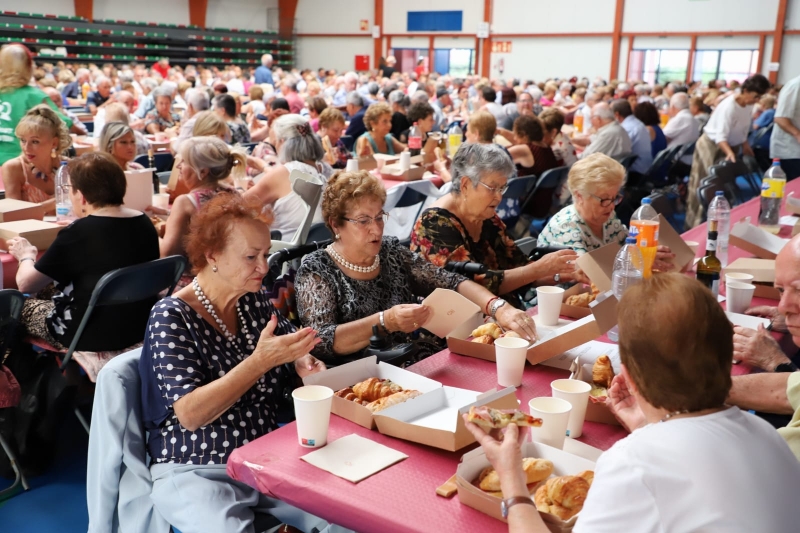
(547, 184)
(738, 173)
(319, 232)
(762, 154)
(509, 209)
(163, 161)
(626, 160)
(11, 302)
(349, 142)
(309, 188)
(706, 193)
(662, 164)
(89, 126)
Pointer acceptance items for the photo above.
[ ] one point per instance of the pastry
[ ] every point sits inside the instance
(510, 333)
(595, 290)
(394, 399)
(601, 393)
(602, 372)
(563, 496)
(484, 339)
(581, 300)
(373, 389)
(536, 470)
(488, 329)
(490, 418)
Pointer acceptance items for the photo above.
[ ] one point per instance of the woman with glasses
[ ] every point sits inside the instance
(464, 226)
(365, 279)
(591, 222)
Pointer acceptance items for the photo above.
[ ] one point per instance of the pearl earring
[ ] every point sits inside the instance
(214, 268)
(53, 153)
(337, 236)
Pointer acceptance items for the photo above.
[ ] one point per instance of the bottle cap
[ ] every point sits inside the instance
(646, 201)
(776, 162)
(630, 240)
(719, 193)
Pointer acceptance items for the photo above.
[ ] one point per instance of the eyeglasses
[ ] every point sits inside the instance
(494, 190)
(364, 222)
(605, 202)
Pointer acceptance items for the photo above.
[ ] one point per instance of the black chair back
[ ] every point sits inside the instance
(544, 189)
(627, 160)
(11, 302)
(739, 174)
(319, 232)
(163, 161)
(349, 142)
(706, 193)
(128, 285)
(662, 164)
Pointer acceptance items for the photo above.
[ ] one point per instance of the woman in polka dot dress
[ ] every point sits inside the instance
(216, 356)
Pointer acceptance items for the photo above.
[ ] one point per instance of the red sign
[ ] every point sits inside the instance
(501, 47)
(362, 63)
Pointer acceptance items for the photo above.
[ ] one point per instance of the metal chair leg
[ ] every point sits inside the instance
(20, 477)
(82, 420)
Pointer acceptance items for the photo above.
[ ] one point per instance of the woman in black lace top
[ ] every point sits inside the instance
(365, 279)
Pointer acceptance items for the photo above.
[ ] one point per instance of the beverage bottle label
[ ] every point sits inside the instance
(772, 188)
(711, 246)
(415, 143)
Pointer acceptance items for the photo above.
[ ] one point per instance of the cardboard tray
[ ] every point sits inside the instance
(763, 271)
(11, 210)
(393, 172)
(596, 411)
(349, 374)
(39, 233)
(755, 240)
(573, 311)
(435, 418)
(554, 340)
(474, 462)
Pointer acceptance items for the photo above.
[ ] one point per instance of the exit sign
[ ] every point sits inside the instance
(501, 47)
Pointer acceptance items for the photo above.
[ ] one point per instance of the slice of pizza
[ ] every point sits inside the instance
(490, 418)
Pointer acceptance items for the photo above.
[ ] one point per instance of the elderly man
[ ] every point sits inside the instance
(264, 72)
(196, 101)
(72, 91)
(563, 97)
(486, 100)
(785, 141)
(439, 104)
(289, 89)
(96, 99)
(609, 138)
(355, 110)
(77, 126)
(637, 131)
(348, 84)
(682, 128)
(778, 389)
(146, 103)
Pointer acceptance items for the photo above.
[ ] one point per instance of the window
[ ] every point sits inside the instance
(658, 66)
(725, 64)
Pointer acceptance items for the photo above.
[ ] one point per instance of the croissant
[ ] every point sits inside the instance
(602, 372)
(488, 329)
(568, 491)
(373, 389)
(581, 300)
(588, 475)
(394, 399)
(536, 470)
(595, 290)
(484, 339)
(510, 333)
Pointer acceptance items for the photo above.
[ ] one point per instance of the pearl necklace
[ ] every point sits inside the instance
(206, 303)
(350, 266)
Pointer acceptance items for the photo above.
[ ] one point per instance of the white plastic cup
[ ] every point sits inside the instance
(405, 161)
(554, 413)
(550, 299)
(576, 392)
(739, 277)
(739, 295)
(352, 165)
(161, 200)
(694, 245)
(312, 408)
(510, 355)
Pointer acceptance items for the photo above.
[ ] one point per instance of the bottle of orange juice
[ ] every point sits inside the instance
(577, 121)
(644, 226)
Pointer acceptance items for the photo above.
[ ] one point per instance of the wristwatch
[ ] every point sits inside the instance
(505, 505)
(557, 278)
(497, 304)
(787, 367)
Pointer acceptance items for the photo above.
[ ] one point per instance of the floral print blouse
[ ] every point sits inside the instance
(567, 228)
(154, 118)
(440, 237)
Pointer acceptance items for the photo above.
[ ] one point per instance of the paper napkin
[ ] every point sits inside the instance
(354, 458)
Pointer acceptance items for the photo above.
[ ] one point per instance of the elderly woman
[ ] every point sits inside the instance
(17, 97)
(215, 363)
(464, 226)
(671, 388)
(481, 128)
(225, 107)
(316, 105)
(106, 236)
(399, 102)
(298, 149)
(723, 136)
(331, 127)
(378, 138)
(31, 176)
(365, 279)
(532, 155)
(553, 121)
(205, 163)
(162, 118)
(591, 222)
(119, 140)
(548, 98)
(209, 124)
(648, 114)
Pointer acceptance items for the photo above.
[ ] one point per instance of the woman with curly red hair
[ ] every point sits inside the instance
(215, 362)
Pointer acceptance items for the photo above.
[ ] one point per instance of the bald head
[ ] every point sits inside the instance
(602, 111)
(787, 280)
(54, 95)
(126, 98)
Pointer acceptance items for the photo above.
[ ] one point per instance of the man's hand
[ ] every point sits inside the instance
(757, 348)
(772, 313)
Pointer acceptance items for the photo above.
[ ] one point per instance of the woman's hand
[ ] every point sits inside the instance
(307, 365)
(20, 248)
(406, 317)
(518, 321)
(505, 455)
(624, 405)
(663, 260)
(258, 164)
(772, 313)
(274, 351)
(561, 262)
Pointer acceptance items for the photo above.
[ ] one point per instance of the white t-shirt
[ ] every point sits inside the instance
(682, 129)
(782, 144)
(729, 471)
(729, 122)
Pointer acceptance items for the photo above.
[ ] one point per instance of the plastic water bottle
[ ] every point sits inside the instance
(720, 210)
(415, 140)
(63, 203)
(644, 226)
(628, 270)
(771, 196)
(454, 137)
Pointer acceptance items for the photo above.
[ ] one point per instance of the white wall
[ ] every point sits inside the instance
(333, 16)
(622, 69)
(736, 42)
(332, 52)
(453, 42)
(663, 43)
(699, 16)
(790, 59)
(395, 18)
(64, 8)
(575, 16)
(793, 15)
(767, 57)
(239, 14)
(542, 58)
(163, 11)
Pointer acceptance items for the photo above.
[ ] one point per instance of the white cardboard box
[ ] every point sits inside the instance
(755, 240)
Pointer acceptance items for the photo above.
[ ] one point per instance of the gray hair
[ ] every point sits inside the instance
(419, 96)
(473, 160)
(679, 101)
(162, 92)
(170, 86)
(398, 97)
(299, 142)
(535, 92)
(355, 99)
(198, 99)
(565, 85)
(212, 159)
(350, 76)
(111, 133)
(150, 83)
(266, 60)
(126, 76)
(603, 111)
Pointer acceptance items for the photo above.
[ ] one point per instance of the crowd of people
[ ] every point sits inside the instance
(217, 351)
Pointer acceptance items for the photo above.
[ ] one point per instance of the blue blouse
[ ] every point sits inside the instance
(182, 352)
(387, 139)
(659, 142)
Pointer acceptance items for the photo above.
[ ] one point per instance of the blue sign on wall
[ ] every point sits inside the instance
(434, 20)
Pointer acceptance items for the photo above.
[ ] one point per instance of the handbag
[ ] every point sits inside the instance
(10, 390)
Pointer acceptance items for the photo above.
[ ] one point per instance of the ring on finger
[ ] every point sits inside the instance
(416, 326)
